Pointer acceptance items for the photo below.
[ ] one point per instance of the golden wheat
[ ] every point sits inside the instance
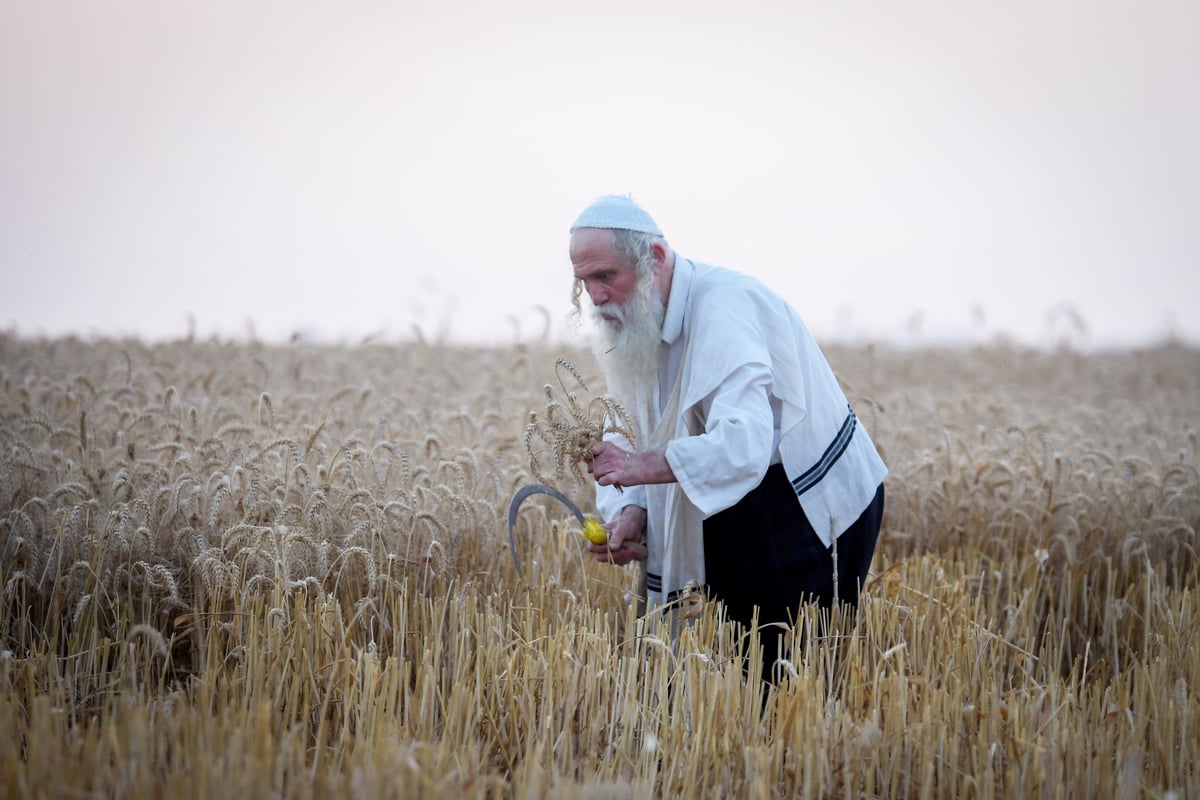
(569, 429)
(282, 571)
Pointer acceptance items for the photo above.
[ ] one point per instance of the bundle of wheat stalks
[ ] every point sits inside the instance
(233, 569)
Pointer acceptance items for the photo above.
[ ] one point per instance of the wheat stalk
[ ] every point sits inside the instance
(568, 428)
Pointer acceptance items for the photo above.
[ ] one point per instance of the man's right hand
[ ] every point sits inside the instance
(626, 537)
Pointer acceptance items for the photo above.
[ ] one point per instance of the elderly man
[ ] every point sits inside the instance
(751, 476)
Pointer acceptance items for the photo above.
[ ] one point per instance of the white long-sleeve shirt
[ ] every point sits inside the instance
(747, 387)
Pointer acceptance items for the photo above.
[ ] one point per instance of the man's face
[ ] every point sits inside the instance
(607, 279)
(628, 315)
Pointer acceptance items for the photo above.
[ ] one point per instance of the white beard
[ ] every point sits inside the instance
(628, 349)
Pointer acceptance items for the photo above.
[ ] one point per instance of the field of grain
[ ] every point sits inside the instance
(242, 570)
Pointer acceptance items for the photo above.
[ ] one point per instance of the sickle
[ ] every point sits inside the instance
(515, 505)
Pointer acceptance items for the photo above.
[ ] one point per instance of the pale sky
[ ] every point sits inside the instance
(926, 170)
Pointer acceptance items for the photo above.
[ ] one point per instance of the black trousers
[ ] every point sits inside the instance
(763, 553)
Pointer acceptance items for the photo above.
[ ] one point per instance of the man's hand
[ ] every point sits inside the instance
(626, 537)
(612, 466)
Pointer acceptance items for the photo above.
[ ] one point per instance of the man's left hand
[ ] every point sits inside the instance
(612, 466)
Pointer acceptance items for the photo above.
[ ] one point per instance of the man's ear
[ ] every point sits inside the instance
(659, 255)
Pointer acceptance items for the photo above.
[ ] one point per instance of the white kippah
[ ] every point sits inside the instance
(616, 211)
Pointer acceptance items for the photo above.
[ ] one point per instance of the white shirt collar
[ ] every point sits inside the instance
(681, 289)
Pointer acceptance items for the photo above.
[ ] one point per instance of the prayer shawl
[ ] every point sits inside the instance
(731, 319)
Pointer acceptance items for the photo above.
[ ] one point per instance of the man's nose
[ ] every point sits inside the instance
(598, 294)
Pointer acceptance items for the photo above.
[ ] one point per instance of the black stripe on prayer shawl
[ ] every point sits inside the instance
(654, 584)
(818, 471)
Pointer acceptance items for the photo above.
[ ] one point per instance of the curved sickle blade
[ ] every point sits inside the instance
(515, 505)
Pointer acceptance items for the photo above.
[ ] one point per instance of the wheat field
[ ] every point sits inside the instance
(234, 569)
